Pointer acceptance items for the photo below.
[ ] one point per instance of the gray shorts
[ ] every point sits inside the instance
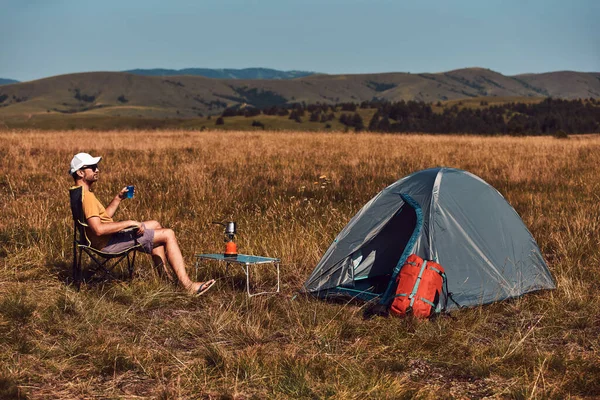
(121, 241)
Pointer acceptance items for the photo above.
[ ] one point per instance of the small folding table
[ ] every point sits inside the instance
(246, 262)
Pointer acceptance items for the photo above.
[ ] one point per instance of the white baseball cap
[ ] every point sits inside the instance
(82, 159)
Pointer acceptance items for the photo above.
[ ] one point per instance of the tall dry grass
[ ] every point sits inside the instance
(290, 194)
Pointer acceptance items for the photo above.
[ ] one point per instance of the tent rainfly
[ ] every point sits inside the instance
(443, 214)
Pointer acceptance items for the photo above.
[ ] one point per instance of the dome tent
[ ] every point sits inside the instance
(443, 214)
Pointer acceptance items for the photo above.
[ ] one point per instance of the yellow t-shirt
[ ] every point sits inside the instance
(93, 208)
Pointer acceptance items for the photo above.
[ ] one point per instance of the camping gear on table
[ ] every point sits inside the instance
(443, 214)
(249, 263)
(229, 235)
(419, 289)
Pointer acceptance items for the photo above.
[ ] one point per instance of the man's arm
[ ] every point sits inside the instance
(108, 228)
(112, 207)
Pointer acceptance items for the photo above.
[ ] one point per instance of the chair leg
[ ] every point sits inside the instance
(77, 272)
(101, 266)
(74, 265)
(130, 264)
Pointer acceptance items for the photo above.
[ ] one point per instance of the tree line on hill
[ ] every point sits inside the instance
(547, 117)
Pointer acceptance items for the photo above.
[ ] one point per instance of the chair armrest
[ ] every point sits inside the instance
(132, 228)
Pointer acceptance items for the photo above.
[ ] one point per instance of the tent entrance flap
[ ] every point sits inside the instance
(373, 264)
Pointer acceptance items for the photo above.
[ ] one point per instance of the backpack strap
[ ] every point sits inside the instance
(439, 308)
(424, 300)
(417, 283)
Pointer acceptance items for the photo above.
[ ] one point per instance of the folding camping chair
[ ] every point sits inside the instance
(104, 262)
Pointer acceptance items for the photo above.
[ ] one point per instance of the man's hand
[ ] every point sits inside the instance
(141, 229)
(123, 193)
(112, 207)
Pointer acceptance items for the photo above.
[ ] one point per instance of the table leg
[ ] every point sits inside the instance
(246, 269)
(277, 277)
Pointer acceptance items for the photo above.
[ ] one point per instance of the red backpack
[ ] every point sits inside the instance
(419, 288)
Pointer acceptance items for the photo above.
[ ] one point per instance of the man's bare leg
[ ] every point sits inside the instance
(158, 254)
(166, 238)
(160, 262)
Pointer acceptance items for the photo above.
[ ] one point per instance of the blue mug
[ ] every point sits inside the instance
(130, 192)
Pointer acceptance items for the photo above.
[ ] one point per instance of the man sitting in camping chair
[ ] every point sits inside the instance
(109, 236)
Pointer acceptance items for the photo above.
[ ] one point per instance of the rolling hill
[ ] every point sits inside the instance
(186, 96)
(226, 73)
(4, 81)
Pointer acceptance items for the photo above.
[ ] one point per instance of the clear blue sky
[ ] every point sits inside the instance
(41, 38)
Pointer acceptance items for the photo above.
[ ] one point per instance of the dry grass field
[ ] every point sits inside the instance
(290, 193)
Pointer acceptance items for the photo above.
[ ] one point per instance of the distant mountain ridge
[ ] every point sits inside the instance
(187, 96)
(225, 73)
(4, 81)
